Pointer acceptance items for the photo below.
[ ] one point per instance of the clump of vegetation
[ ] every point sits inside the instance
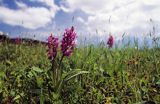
(85, 75)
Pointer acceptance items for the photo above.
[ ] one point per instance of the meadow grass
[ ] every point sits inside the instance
(116, 76)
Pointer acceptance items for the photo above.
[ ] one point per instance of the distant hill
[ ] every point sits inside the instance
(4, 37)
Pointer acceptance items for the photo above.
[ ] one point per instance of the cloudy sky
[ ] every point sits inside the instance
(92, 18)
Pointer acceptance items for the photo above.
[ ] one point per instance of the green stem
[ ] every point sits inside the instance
(59, 72)
(54, 72)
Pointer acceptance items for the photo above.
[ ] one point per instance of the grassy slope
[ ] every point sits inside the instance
(118, 75)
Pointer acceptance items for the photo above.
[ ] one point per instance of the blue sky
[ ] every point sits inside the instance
(93, 19)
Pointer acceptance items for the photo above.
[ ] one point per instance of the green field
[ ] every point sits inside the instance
(92, 75)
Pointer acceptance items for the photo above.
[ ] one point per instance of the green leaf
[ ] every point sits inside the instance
(74, 73)
(12, 93)
(18, 96)
(55, 96)
(8, 62)
(2, 74)
(59, 86)
(37, 69)
(158, 82)
(41, 97)
(39, 81)
(69, 76)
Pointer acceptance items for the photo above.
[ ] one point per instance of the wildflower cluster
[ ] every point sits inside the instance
(67, 45)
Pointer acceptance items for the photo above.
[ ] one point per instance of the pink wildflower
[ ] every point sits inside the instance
(52, 47)
(110, 41)
(68, 42)
(17, 41)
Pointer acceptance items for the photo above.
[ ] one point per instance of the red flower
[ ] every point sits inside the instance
(110, 41)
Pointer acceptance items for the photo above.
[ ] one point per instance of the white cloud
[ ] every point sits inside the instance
(21, 5)
(116, 16)
(80, 20)
(29, 17)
